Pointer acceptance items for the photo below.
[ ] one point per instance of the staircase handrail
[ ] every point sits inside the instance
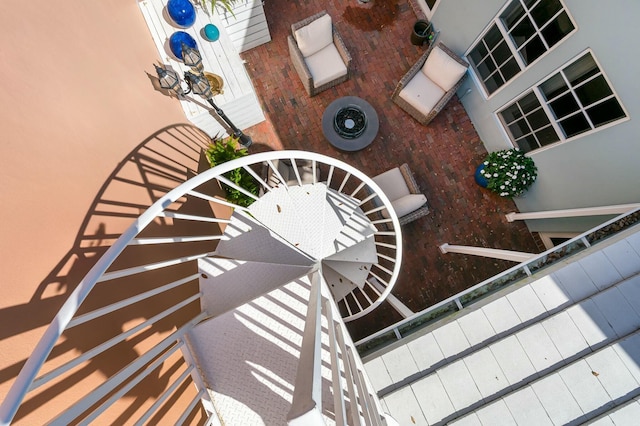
(45, 345)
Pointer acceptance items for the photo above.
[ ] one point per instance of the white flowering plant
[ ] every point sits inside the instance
(509, 173)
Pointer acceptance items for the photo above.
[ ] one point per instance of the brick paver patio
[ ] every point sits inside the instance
(443, 155)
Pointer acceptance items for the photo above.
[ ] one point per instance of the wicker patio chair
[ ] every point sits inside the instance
(318, 53)
(430, 83)
(400, 186)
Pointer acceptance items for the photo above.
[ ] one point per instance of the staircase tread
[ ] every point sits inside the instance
(282, 211)
(356, 253)
(246, 239)
(249, 356)
(219, 276)
(353, 271)
(346, 218)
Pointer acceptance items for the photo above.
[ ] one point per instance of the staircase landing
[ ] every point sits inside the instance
(563, 348)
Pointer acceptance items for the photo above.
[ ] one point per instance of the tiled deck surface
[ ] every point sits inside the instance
(443, 155)
(562, 349)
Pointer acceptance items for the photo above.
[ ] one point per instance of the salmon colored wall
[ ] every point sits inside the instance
(75, 99)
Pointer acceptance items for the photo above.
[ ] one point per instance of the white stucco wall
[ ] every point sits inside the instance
(599, 168)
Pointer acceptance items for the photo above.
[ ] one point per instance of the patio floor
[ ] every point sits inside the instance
(442, 155)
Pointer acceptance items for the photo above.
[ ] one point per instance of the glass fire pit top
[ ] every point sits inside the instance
(350, 122)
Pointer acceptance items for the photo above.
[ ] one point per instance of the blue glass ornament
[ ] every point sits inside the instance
(182, 12)
(211, 32)
(176, 40)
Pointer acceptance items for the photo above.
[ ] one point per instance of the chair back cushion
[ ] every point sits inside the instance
(407, 204)
(315, 36)
(392, 184)
(325, 65)
(442, 69)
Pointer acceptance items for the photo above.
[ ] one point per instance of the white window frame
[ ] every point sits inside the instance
(547, 236)
(426, 9)
(478, 79)
(544, 107)
(514, 50)
(545, 104)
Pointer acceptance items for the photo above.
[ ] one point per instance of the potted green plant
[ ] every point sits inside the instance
(508, 173)
(221, 150)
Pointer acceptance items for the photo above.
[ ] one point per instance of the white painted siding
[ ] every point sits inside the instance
(606, 159)
(239, 100)
(248, 28)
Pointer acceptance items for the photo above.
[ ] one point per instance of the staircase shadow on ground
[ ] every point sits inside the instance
(161, 162)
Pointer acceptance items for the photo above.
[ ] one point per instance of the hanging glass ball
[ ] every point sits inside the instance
(182, 12)
(211, 32)
(176, 40)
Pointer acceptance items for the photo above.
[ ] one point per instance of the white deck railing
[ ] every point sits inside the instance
(464, 299)
(134, 266)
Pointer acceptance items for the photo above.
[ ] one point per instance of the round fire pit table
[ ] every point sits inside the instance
(350, 123)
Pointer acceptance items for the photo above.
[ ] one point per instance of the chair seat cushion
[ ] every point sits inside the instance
(326, 65)
(442, 69)
(315, 36)
(407, 204)
(422, 93)
(392, 184)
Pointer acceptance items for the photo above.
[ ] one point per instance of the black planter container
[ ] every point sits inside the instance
(421, 31)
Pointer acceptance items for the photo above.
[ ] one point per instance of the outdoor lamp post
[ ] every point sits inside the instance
(198, 84)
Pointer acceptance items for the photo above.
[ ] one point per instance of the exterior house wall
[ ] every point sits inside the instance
(600, 168)
(76, 99)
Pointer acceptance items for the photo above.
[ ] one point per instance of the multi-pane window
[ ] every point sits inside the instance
(524, 31)
(535, 26)
(580, 97)
(493, 60)
(572, 101)
(528, 123)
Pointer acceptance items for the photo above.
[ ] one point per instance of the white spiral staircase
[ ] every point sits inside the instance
(302, 259)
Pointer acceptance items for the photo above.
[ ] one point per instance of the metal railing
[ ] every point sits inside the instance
(153, 264)
(466, 298)
(354, 399)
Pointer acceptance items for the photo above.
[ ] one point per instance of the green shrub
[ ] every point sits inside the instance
(227, 149)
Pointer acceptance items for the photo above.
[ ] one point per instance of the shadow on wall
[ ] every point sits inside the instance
(160, 163)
